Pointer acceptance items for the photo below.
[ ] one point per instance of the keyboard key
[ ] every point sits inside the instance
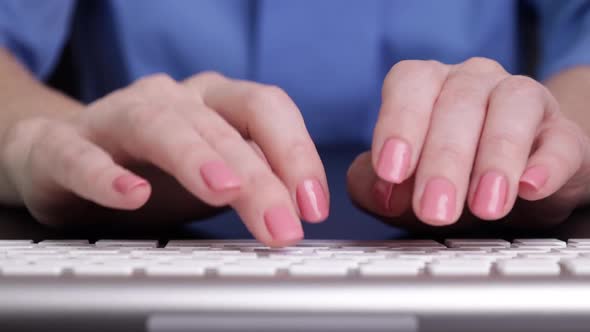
(13, 243)
(392, 267)
(63, 243)
(360, 257)
(395, 251)
(424, 257)
(528, 267)
(455, 251)
(175, 270)
(187, 243)
(234, 270)
(265, 262)
(31, 270)
(198, 261)
(127, 243)
(555, 256)
(538, 241)
(457, 243)
(95, 252)
(539, 245)
(517, 251)
(578, 241)
(309, 270)
(577, 266)
(330, 262)
(491, 257)
(579, 245)
(110, 270)
(383, 270)
(459, 267)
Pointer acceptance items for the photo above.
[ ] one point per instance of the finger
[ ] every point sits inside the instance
(408, 95)
(516, 107)
(374, 194)
(264, 204)
(154, 131)
(554, 163)
(442, 176)
(268, 116)
(83, 168)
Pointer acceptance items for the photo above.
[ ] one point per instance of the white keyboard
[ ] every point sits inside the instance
(482, 258)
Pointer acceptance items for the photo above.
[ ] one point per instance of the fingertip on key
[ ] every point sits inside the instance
(282, 225)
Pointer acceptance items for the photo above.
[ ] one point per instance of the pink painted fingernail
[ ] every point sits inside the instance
(438, 201)
(535, 177)
(282, 225)
(382, 194)
(126, 183)
(312, 200)
(490, 195)
(219, 176)
(394, 160)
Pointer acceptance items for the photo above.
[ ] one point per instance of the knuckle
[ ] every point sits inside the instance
(145, 117)
(458, 98)
(259, 180)
(452, 154)
(22, 131)
(220, 134)
(72, 157)
(506, 145)
(521, 85)
(266, 98)
(483, 64)
(157, 81)
(412, 67)
(209, 75)
(299, 150)
(185, 156)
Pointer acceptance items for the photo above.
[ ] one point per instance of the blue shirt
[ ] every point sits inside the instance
(330, 56)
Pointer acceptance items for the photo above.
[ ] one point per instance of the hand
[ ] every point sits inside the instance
(189, 148)
(470, 136)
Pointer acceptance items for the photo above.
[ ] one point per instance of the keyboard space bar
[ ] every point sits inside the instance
(261, 322)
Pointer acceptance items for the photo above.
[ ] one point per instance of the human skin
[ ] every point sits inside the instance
(473, 138)
(159, 150)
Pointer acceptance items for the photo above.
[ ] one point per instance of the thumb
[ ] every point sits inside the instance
(374, 195)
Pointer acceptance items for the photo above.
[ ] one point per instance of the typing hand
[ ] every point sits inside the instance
(184, 148)
(452, 138)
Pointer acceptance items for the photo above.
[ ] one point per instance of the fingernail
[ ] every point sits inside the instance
(382, 194)
(535, 177)
(282, 225)
(394, 160)
(312, 200)
(490, 195)
(126, 183)
(438, 201)
(218, 176)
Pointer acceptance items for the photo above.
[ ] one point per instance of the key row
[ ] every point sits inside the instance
(515, 267)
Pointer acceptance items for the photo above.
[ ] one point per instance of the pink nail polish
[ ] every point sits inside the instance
(312, 201)
(218, 176)
(282, 225)
(535, 177)
(394, 161)
(126, 183)
(490, 195)
(382, 193)
(438, 201)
